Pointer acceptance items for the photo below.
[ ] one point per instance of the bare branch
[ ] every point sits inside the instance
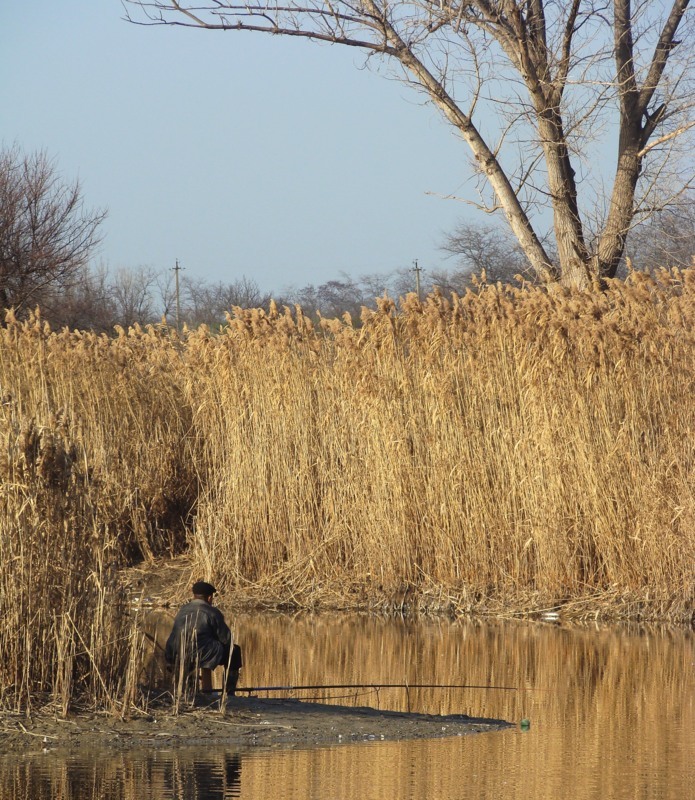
(663, 50)
(666, 138)
(566, 52)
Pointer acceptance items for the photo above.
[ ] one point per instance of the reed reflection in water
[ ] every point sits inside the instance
(186, 774)
(611, 710)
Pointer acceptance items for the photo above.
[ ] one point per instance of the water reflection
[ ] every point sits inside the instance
(568, 672)
(611, 709)
(202, 778)
(188, 774)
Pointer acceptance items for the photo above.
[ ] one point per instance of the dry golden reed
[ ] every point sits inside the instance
(94, 473)
(507, 451)
(511, 449)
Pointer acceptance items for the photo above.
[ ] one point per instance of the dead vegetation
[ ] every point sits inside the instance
(511, 450)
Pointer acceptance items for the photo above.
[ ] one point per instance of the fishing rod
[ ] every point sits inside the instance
(319, 687)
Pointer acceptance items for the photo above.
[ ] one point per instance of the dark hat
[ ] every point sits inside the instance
(203, 588)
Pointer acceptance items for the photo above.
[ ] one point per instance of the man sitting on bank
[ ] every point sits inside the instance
(202, 637)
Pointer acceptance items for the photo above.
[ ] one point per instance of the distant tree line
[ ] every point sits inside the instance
(48, 238)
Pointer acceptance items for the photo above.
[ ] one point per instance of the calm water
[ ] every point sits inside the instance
(611, 709)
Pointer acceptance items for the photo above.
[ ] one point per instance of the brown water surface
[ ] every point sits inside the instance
(611, 713)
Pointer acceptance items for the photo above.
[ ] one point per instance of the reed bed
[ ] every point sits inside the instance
(512, 449)
(94, 474)
(507, 451)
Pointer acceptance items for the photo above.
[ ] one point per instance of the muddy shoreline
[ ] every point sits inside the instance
(252, 722)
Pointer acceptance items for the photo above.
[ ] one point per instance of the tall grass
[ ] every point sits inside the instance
(94, 473)
(510, 450)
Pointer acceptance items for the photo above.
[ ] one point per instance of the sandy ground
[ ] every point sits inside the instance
(244, 721)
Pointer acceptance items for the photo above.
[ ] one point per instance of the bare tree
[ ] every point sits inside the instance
(208, 303)
(330, 299)
(378, 284)
(84, 304)
(481, 249)
(166, 291)
(666, 239)
(552, 73)
(133, 296)
(46, 234)
(345, 294)
(103, 298)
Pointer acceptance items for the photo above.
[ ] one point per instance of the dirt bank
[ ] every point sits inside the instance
(252, 722)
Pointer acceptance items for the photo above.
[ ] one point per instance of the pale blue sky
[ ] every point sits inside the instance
(237, 154)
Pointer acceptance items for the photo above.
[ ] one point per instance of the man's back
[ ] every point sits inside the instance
(201, 632)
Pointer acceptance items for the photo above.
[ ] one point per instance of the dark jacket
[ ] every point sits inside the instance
(201, 632)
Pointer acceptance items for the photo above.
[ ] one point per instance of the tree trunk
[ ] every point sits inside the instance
(488, 165)
(569, 235)
(611, 245)
(523, 37)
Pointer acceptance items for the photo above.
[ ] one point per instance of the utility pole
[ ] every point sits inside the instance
(417, 270)
(178, 269)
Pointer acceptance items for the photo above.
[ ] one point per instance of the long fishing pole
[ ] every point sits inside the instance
(319, 687)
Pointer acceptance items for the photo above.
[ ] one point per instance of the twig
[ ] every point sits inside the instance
(31, 733)
(252, 724)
